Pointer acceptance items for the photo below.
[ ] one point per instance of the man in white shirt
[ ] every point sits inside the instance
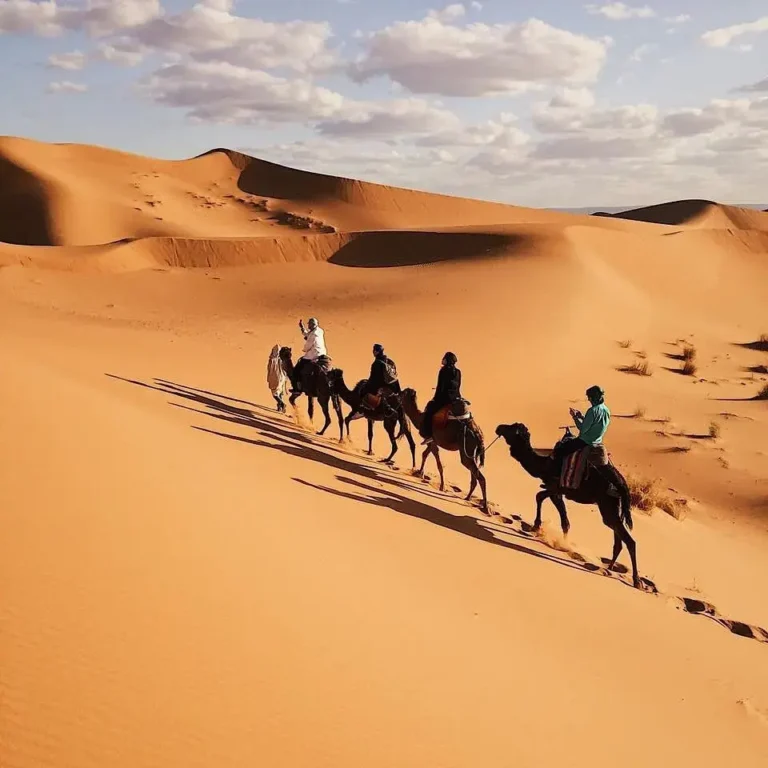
(314, 348)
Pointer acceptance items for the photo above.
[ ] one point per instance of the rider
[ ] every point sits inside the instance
(592, 427)
(448, 390)
(314, 348)
(380, 381)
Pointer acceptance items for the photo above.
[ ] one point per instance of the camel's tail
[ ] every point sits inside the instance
(626, 504)
(480, 450)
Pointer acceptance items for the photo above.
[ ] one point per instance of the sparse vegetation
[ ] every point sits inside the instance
(642, 354)
(689, 353)
(639, 368)
(762, 341)
(301, 222)
(763, 393)
(689, 368)
(626, 344)
(639, 412)
(647, 496)
(714, 430)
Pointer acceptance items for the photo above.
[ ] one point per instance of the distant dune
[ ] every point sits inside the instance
(192, 580)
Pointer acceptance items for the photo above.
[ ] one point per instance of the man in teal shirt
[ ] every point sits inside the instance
(592, 428)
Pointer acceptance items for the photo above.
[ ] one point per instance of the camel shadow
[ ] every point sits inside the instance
(466, 525)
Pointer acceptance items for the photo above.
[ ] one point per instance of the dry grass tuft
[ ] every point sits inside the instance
(689, 353)
(763, 393)
(714, 430)
(689, 368)
(639, 368)
(762, 341)
(647, 496)
(639, 412)
(626, 344)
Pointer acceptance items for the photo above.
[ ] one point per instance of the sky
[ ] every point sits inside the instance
(555, 103)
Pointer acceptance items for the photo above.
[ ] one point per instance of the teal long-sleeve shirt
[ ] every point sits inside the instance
(595, 424)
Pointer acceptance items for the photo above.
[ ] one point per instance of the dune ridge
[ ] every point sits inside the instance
(192, 580)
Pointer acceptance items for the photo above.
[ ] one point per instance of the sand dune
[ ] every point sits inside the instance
(698, 213)
(190, 579)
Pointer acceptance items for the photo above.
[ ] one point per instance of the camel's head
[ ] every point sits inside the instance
(286, 353)
(409, 395)
(335, 374)
(515, 435)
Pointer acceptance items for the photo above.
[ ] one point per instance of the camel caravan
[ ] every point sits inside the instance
(577, 468)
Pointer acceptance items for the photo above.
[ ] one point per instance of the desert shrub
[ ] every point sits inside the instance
(689, 353)
(714, 430)
(763, 393)
(689, 368)
(639, 368)
(647, 496)
(639, 412)
(626, 344)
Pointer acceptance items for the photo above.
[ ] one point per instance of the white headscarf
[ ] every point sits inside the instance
(276, 378)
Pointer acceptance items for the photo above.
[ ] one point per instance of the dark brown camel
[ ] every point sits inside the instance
(466, 437)
(354, 399)
(594, 489)
(315, 384)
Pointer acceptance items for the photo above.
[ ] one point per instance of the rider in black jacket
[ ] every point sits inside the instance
(448, 390)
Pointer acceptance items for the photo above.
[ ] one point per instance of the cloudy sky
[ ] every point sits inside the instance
(538, 102)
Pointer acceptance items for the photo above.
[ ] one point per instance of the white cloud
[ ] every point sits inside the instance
(222, 92)
(97, 17)
(66, 86)
(698, 121)
(450, 13)
(476, 6)
(72, 61)
(680, 19)
(642, 51)
(208, 31)
(501, 133)
(621, 11)
(720, 38)
(429, 56)
(570, 98)
(388, 120)
(124, 51)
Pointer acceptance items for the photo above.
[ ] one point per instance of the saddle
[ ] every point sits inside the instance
(455, 411)
(574, 468)
(385, 395)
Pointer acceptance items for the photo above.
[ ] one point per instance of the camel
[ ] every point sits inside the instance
(354, 398)
(465, 437)
(594, 489)
(315, 384)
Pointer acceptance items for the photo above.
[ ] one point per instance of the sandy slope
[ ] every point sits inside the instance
(190, 580)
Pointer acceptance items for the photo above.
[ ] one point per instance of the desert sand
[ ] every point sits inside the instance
(191, 579)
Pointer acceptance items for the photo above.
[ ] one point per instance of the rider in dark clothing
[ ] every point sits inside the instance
(378, 384)
(448, 390)
(378, 377)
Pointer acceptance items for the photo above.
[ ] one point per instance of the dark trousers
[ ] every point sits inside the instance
(429, 413)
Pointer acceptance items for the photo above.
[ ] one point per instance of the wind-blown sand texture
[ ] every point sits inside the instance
(189, 579)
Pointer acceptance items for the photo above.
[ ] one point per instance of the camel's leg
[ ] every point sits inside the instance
(435, 451)
(370, 437)
(339, 416)
(617, 545)
(347, 421)
(424, 455)
(541, 497)
(326, 414)
(311, 407)
(411, 444)
(390, 426)
(559, 503)
(472, 467)
(626, 537)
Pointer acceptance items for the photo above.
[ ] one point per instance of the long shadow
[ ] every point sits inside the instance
(296, 443)
(463, 524)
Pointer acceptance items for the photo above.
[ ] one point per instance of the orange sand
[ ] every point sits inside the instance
(190, 580)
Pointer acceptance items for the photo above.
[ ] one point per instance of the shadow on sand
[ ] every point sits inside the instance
(384, 492)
